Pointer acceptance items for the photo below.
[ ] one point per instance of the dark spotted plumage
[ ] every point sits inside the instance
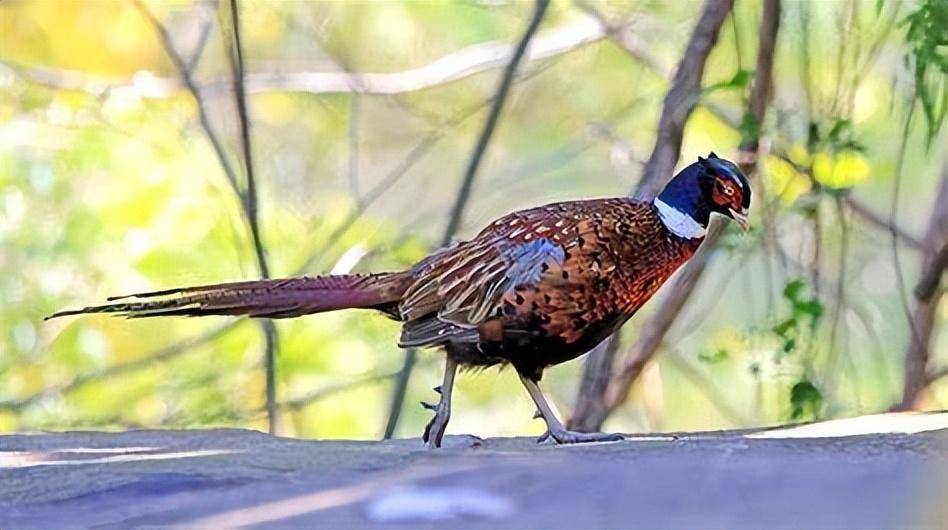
(541, 286)
(535, 288)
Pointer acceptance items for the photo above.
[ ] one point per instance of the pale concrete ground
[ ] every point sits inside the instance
(885, 471)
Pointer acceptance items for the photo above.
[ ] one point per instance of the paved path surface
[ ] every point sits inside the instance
(887, 471)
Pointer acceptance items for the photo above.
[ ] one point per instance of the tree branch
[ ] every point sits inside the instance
(590, 410)
(363, 203)
(187, 78)
(922, 322)
(321, 393)
(454, 66)
(682, 99)
(248, 201)
(858, 207)
(865, 212)
(640, 50)
(162, 354)
(464, 192)
(174, 350)
(679, 102)
(487, 133)
(270, 336)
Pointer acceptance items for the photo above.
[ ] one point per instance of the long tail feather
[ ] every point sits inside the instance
(283, 298)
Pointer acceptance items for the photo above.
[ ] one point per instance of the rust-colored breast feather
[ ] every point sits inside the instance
(562, 271)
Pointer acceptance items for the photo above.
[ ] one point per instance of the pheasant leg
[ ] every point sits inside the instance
(556, 432)
(434, 431)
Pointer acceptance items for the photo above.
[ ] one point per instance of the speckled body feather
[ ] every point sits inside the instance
(541, 286)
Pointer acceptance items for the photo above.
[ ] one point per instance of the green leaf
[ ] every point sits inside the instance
(785, 326)
(789, 345)
(739, 80)
(749, 128)
(713, 357)
(927, 35)
(793, 289)
(810, 307)
(841, 127)
(805, 400)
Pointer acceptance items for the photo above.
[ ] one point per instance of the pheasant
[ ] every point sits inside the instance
(535, 288)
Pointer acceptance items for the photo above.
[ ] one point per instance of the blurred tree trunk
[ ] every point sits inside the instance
(927, 295)
(592, 410)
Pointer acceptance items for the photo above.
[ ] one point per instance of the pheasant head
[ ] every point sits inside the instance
(710, 185)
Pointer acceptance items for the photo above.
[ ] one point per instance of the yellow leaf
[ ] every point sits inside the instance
(799, 155)
(785, 181)
(822, 167)
(851, 168)
(846, 170)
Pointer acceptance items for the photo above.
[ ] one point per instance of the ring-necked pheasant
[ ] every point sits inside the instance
(535, 288)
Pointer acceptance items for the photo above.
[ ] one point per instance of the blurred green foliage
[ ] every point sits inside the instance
(108, 185)
(927, 34)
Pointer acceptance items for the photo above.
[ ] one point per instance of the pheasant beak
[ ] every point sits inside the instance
(740, 217)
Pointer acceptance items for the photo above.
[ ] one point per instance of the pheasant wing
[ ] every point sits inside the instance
(465, 288)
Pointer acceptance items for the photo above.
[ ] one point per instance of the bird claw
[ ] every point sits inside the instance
(574, 437)
(434, 431)
(437, 389)
(438, 423)
(546, 439)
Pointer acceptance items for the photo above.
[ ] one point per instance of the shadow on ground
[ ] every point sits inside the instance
(883, 471)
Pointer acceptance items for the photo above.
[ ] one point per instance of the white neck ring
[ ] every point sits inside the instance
(678, 222)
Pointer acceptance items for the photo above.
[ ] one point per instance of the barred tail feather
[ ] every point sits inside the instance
(282, 298)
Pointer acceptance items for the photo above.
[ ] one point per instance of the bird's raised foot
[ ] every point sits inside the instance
(575, 437)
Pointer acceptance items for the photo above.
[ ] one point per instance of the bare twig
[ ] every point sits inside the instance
(865, 212)
(937, 374)
(896, 261)
(487, 133)
(398, 392)
(622, 34)
(364, 202)
(249, 201)
(186, 77)
(250, 197)
(457, 212)
(837, 353)
(205, 33)
(321, 393)
(858, 207)
(931, 275)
